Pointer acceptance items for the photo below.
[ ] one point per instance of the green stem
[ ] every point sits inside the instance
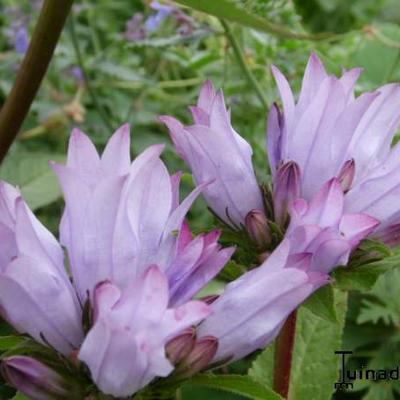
(81, 64)
(33, 68)
(283, 356)
(242, 63)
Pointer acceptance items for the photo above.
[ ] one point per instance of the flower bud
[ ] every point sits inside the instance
(258, 229)
(200, 357)
(180, 346)
(346, 175)
(286, 190)
(34, 379)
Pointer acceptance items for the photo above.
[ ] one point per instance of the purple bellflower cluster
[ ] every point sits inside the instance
(139, 28)
(121, 305)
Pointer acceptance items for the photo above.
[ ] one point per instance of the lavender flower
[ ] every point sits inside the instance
(154, 21)
(215, 152)
(18, 32)
(133, 329)
(330, 133)
(141, 223)
(77, 73)
(252, 309)
(134, 28)
(36, 295)
(21, 40)
(133, 261)
(321, 227)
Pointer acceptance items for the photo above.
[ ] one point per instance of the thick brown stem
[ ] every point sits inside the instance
(283, 356)
(34, 66)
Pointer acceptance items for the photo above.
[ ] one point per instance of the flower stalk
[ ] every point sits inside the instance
(34, 66)
(242, 63)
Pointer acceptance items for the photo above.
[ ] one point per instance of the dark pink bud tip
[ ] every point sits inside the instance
(180, 346)
(286, 190)
(347, 174)
(201, 355)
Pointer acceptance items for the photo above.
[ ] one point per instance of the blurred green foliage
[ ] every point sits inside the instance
(131, 78)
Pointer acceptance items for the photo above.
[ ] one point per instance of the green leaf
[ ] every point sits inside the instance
(384, 302)
(239, 384)
(315, 366)
(20, 396)
(8, 342)
(363, 277)
(230, 11)
(262, 368)
(321, 303)
(31, 172)
(377, 58)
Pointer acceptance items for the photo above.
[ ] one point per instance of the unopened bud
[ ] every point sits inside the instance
(200, 357)
(286, 190)
(34, 379)
(347, 174)
(258, 229)
(180, 346)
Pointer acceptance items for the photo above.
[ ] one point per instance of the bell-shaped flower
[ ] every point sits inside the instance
(322, 228)
(35, 379)
(125, 349)
(252, 309)
(329, 126)
(216, 153)
(331, 133)
(36, 295)
(122, 217)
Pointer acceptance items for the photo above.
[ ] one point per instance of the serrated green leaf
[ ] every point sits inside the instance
(315, 366)
(384, 303)
(230, 11)
(31, 172)
(262, 368)
(239, 384)
(363, 277)
(321, 303)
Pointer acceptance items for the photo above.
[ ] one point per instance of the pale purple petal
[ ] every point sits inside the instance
(116, 156)
(356, 227)
(274, 138)
(247, 316)
(36, 300)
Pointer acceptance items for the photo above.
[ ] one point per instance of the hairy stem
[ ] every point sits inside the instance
(33, 68)
(283, 356)
(242, 63)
